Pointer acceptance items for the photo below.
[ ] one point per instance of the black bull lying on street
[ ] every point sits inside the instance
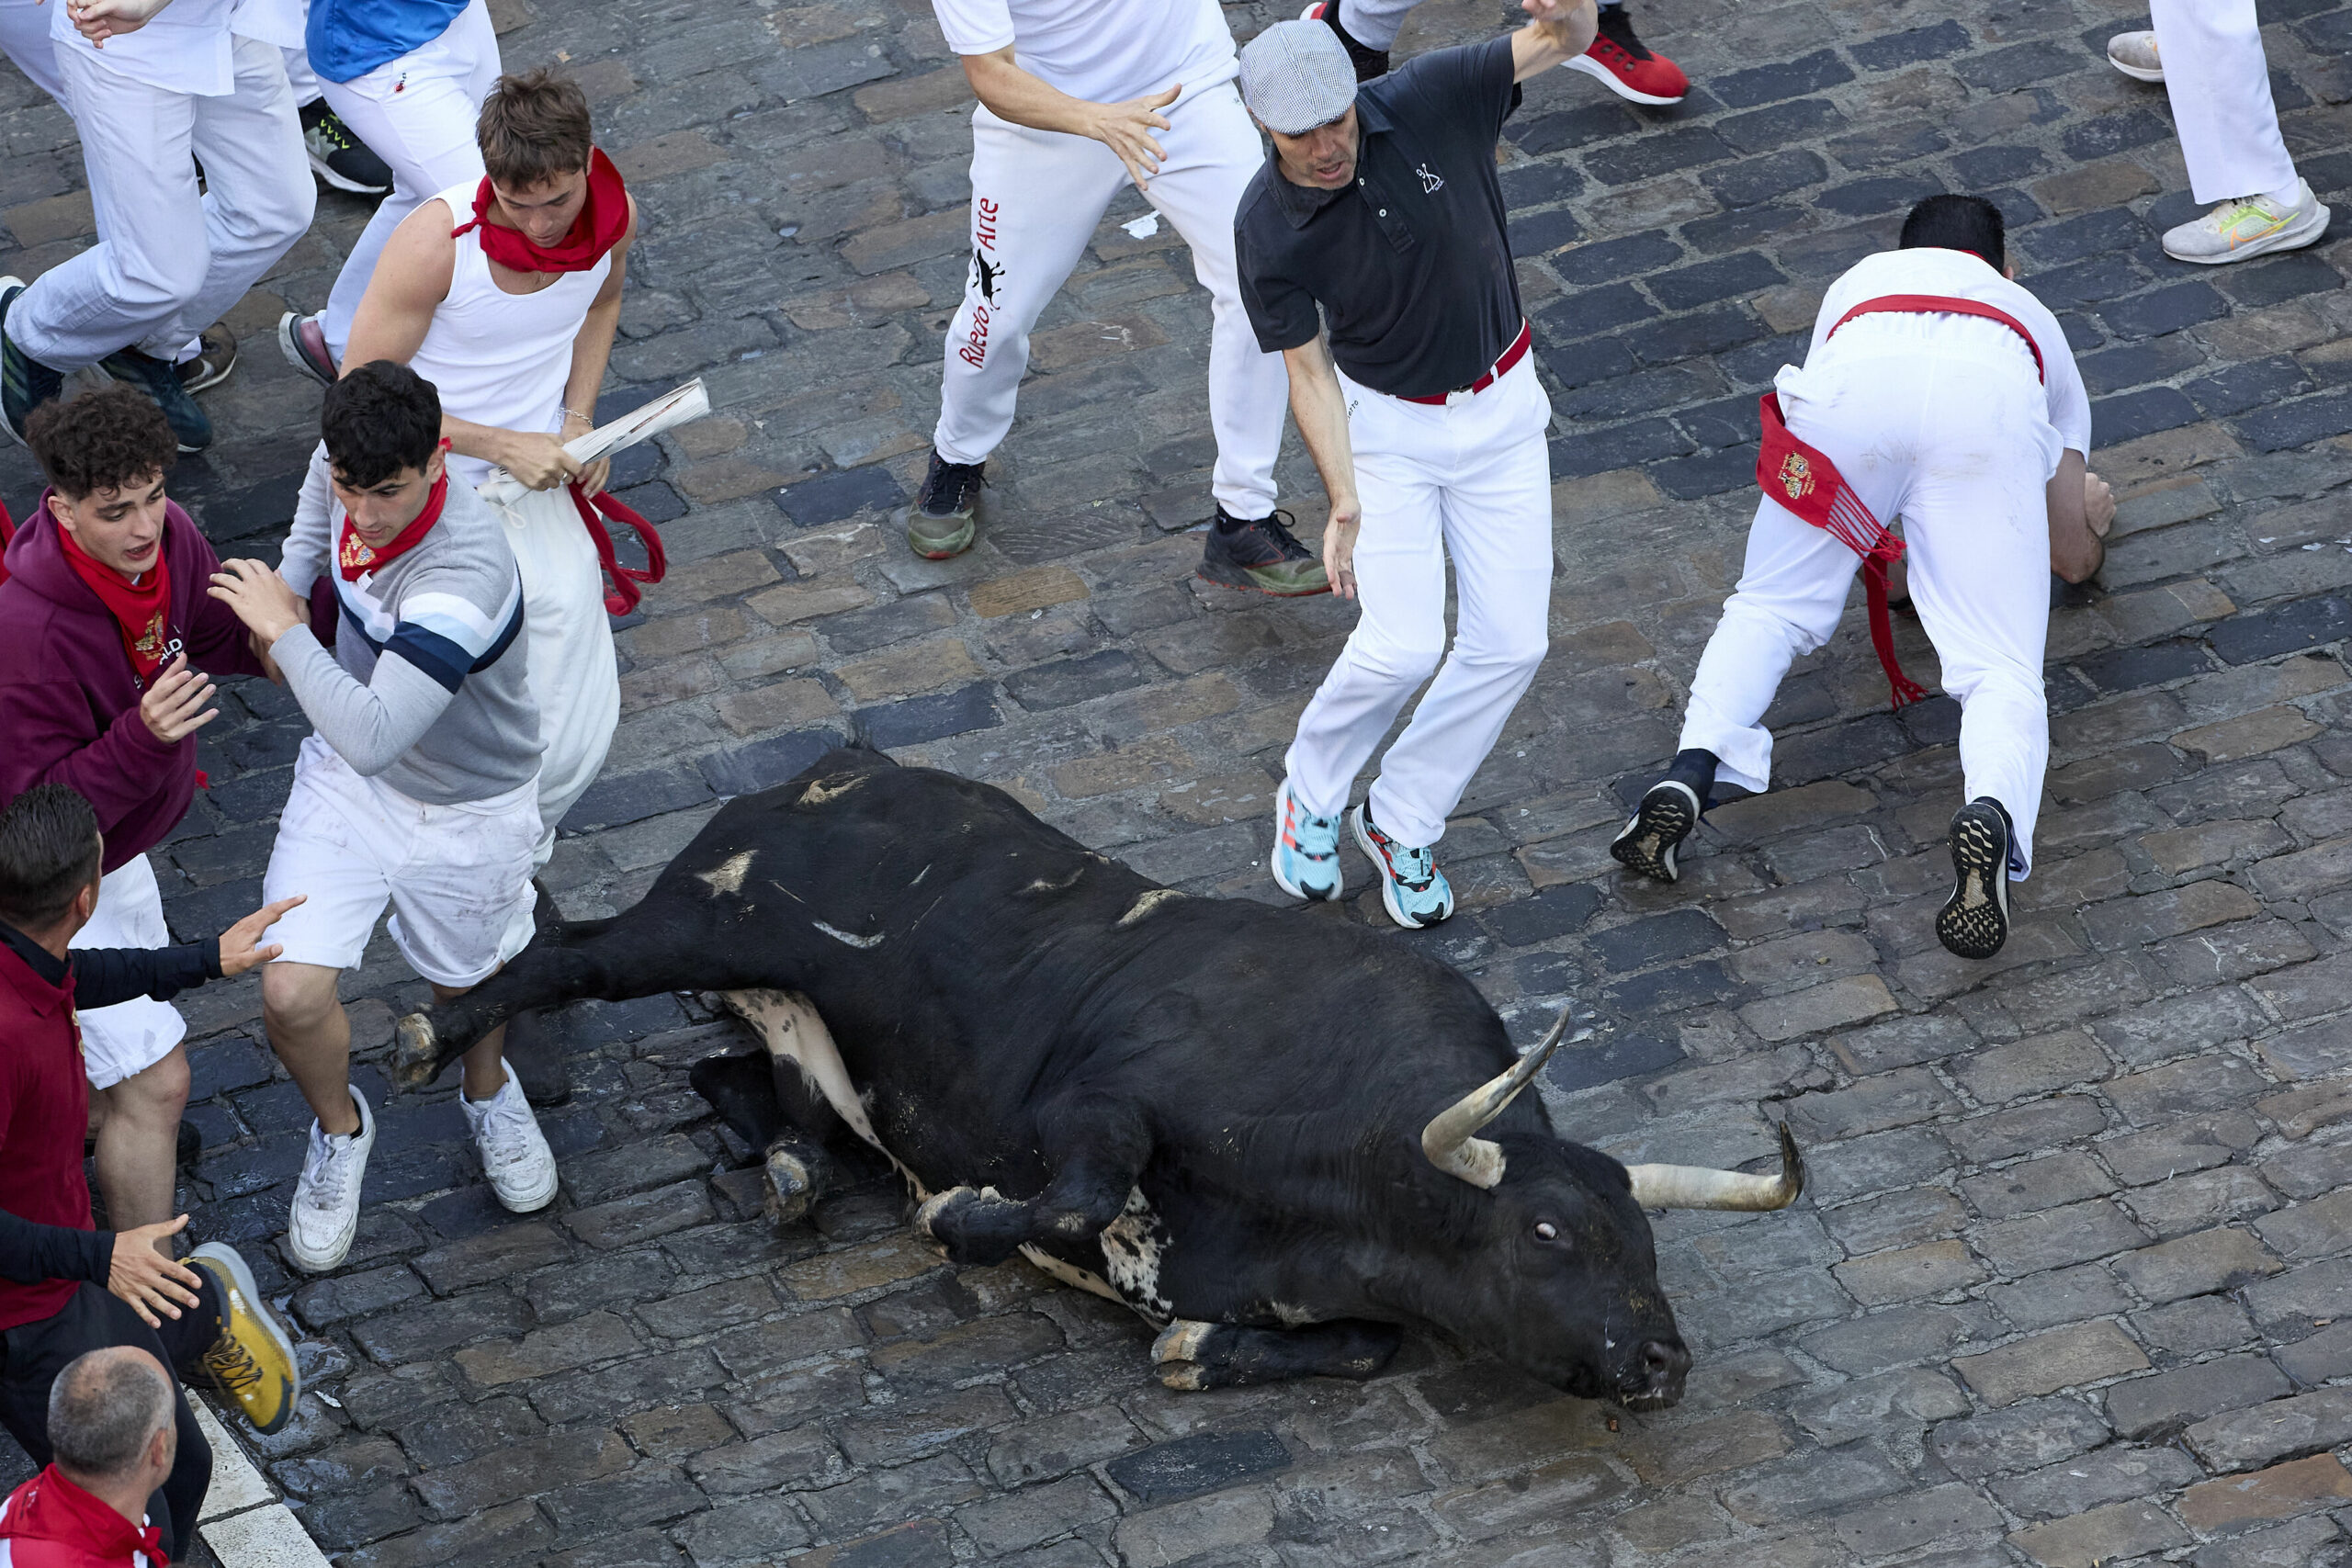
(1279, 1137)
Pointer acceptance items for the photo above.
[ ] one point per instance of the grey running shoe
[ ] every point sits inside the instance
(2249, 226)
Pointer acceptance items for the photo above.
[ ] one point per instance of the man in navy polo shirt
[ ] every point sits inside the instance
(1374, 258)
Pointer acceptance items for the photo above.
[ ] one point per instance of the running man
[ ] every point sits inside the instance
(419, 788)
(1079, 97)
(1938, 389)
(1375, 258)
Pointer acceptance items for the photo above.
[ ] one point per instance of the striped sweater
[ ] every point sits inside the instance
(426, 688)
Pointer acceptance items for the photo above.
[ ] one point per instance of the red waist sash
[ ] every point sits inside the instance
(1802, 479)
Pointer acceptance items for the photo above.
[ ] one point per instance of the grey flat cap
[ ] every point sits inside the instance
(1296, 75)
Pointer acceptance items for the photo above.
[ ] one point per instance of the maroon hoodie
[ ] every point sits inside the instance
(69, 698)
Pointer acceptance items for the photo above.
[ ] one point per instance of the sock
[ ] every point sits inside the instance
(1696, 768)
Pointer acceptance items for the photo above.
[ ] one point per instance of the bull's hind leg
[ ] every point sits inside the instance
(613, 960)
(1096, 1146)
(787, 1100)
(1224, 1355)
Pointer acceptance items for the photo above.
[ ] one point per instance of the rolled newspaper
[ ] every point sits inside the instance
(667, 411)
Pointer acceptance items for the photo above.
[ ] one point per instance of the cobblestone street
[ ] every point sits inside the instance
(2072, 1284)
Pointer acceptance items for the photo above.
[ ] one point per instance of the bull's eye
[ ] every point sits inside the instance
(1546, 1231)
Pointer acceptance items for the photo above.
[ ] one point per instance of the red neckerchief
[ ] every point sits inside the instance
(50, 1507)
(355, 556)
(140, 610)
(603, 219)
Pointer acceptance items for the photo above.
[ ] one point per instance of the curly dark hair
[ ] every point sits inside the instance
(112, 437)
(381, 418)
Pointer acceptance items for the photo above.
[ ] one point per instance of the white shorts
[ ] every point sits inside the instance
(129, 1037)
(453, 875)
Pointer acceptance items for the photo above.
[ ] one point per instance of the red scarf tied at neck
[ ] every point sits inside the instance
(355, 556)
(141, 610)
(603, 219)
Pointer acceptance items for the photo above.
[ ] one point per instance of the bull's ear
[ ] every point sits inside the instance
(1448, 1141)
(1697, 1187)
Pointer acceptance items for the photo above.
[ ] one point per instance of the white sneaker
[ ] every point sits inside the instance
(2134, 54)
(326, 1200)
(2250, 226)
(515, 1154)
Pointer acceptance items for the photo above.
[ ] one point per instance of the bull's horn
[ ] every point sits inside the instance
(1448, 1139)
(1696, 1187)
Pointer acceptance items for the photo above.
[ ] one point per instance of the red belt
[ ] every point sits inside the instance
(1511, 356)
(1801, 478)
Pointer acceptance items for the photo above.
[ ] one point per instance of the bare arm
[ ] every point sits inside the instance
(1557, 30)
(2082, 509)
(1125, 128)
(1321, 410)
(590, 351)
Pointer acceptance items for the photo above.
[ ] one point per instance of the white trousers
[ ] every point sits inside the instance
(170, 260)
(1472, 482)
(574, 674)
(24, 39)
(1940, 422)
(2219, 82)
(1037, 197)
(417, 114)
(129, 1037)
(299, 77)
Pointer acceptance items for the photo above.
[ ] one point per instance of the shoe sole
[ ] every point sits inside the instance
(1975, 921)
(1274, 861)
(1211, 571)
(955, 544)
(10, 285)
(1650, 842)
(242, 1277)
(210, 379)
(1611, 80)
(291, 347)
(2137, 72)
(327, 175)
(2294, 237)
(1388, 883)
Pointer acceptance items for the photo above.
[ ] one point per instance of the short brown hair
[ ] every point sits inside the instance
(533, 129)
(111, 437)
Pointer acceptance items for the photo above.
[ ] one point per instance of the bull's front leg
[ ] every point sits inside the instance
(1096, 1146)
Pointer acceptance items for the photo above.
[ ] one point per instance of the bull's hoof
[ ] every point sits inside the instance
(934, 1209)
(416, 1053)
(1193, 1355)
(1177, 1355)
(790, 1186)
(974, 1228)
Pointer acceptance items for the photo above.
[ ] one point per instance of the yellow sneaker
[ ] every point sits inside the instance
(254, 1360)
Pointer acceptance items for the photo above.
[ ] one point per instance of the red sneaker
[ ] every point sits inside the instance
(1619, 63)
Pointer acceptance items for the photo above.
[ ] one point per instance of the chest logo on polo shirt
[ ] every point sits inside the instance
(1432, 182)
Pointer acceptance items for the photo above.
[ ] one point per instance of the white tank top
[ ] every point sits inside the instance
(498, 358)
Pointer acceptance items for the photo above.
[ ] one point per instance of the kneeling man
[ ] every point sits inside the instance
(1938, 389)
(419, 788)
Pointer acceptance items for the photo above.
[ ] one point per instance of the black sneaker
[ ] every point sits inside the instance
(159, 380)
(1261, 553)
(339, 158)
(1650, 839)
(940, 522)
(216, 356)
(25, 382)
(1975, 921)
(1369, 61)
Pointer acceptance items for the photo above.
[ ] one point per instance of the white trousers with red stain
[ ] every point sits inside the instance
(2219, 82)
(1941, 422)
(1471, 482)
(1036, 197)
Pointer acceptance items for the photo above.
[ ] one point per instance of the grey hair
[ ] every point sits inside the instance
(105, 1408)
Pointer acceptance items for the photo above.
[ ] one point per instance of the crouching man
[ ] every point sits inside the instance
(419, 788)
(1937, 388)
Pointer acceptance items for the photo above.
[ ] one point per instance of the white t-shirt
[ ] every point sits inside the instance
(1963, 275)
(1104, 52)
(184, 48)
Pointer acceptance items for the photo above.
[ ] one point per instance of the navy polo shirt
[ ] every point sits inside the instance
(1410, 264)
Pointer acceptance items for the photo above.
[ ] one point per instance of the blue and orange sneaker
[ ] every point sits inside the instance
(1411, 883)
(1307, 850)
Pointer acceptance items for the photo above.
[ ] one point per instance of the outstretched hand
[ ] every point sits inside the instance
(238, 952)
(260, 598)
(1125, 128)
(1340, 547)
(140, 1274)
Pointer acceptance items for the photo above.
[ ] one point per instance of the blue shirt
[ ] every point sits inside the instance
(347, 38)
